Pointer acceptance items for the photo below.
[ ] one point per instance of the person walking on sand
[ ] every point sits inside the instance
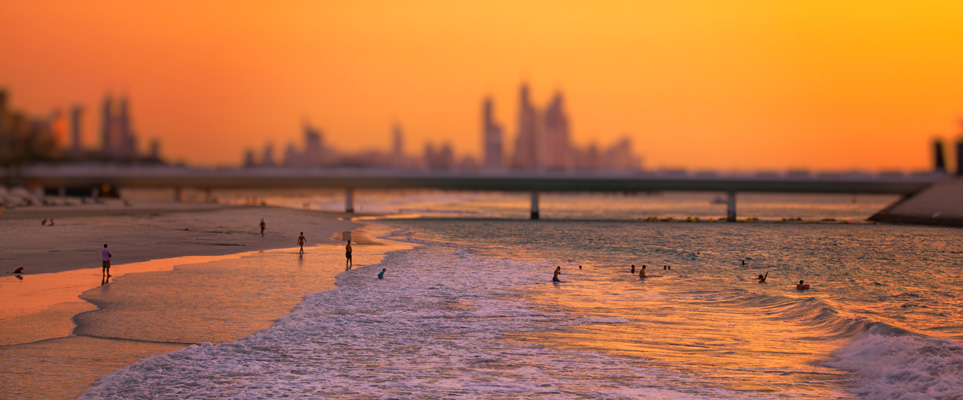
(347, 255)
(262, 225)
(105, 261)
(381, 275)
(558, 270)
(301, 242)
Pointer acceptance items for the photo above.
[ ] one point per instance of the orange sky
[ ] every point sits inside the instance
(823, 85)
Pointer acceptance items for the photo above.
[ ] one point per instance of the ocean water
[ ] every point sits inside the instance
(471, 311)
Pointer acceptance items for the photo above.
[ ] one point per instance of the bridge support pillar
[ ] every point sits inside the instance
(349, 200)
(731, 207)
(534, 204)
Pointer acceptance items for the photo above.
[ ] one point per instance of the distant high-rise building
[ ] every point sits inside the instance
(106, 121)
(527, 154)
(268, 158)
(558, 147)
(76, 115)
(119, 140)
(492, 138)
(959, 156)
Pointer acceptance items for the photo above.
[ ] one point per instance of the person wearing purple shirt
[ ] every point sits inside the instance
(105, 261)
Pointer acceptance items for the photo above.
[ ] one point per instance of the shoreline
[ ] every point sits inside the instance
(39, 321)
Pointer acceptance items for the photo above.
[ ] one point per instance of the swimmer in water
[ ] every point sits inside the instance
(558, 270)
(633, 268)
(801, 286)
(642, 272)
(762, 278)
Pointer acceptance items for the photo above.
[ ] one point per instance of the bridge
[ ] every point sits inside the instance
(95, 177)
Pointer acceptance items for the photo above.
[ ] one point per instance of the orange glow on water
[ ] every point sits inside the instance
(746, 85)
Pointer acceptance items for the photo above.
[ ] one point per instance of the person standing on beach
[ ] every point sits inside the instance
(262, 227)
(301, 242)
(347, 254)
(105, 261)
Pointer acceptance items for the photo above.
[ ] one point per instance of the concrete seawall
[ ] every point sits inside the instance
(941, 204)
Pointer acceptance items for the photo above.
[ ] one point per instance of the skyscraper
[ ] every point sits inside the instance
(492, 138)
(558, 147)
(527, 154)
(76, 114)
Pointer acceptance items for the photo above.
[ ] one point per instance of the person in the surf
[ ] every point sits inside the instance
(642, 272)
(801, 286)
(762, 278)
(633, 269)
(347, 254)
(558, 270)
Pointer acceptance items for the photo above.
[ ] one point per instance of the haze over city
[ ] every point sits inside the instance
(695, 85)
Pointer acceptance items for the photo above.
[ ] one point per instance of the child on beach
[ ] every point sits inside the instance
(105, 261)
(381, 275)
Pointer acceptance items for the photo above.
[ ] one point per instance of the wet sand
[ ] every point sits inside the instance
(155, 306)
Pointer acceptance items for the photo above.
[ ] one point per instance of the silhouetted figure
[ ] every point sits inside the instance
(262, 225)
(381, 275)
(44, 222)
(51, 222)
(743, 261)
(633, 268)
(801, 286)
(642, 272)
(580, 266)
(301, 242)
(665, 267)
(762, 278)
(19, 270)
(347, 255)
(105, 261)
(558, 270)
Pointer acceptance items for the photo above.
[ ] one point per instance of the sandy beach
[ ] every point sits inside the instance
(183, 273)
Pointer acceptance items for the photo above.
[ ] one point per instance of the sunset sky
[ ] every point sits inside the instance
(726, 85)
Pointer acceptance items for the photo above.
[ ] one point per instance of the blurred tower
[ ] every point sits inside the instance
(106, 122)
(526, 154)
(557, 144)
(959, 156)
(76, 114)
(492, 146)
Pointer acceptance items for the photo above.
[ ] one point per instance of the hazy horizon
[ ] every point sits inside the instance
(696, 85)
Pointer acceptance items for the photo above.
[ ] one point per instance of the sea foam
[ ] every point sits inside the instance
(437, 326)
(892, 364)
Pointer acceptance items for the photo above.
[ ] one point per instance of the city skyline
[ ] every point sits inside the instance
(735, 86)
